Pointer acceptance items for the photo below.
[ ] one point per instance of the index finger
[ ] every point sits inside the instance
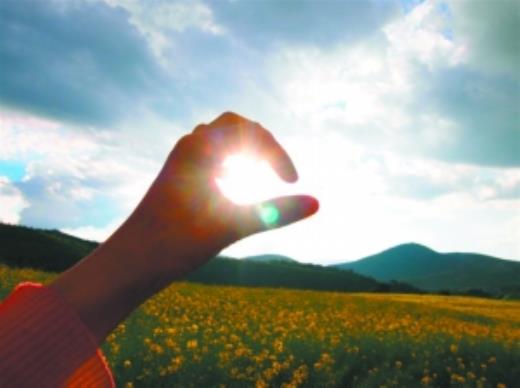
(231, 133)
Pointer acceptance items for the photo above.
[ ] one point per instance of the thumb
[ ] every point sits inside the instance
(275, 213)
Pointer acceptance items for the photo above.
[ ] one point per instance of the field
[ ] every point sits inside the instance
(203, 336)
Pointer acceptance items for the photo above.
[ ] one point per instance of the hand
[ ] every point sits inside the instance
(184, 220)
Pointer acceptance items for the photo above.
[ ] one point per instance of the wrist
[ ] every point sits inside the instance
(107, 285)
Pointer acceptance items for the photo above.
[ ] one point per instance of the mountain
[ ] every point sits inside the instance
(270, 257)
(228, 271)
(51, 250)
(404, 268)
(430, 270)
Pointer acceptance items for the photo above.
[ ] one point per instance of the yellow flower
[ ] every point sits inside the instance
(156, 348)
(457, 378)
(278, 346)
(261, 384)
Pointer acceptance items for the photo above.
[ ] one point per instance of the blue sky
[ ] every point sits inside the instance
(401, 116)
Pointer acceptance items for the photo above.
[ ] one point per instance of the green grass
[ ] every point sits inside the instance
(203, 336)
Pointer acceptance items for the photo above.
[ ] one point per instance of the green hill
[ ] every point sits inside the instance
(269, 257)
(51, 250)
(434, 271)
(283, 274)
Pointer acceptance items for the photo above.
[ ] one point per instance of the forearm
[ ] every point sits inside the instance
(106, 286)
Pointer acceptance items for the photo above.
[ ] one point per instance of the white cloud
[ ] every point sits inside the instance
(370, 86)
(490, 30)
(422, 36)
(94, 233)
(27, 136)
(74, 176)
(346, 229)
(411, 90)
(352, 114)
(158, 21)
(12, 201)
(367, 148)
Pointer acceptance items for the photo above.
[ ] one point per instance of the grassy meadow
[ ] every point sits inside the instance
(213, 336)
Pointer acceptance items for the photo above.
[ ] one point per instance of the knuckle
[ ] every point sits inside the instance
(183, 143)
(229, 118)
(200, 128)
(185, 140)
(229, 115)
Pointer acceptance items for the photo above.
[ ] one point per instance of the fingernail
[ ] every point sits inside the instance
(310, 205)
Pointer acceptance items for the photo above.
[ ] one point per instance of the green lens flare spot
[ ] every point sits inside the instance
(269, 214)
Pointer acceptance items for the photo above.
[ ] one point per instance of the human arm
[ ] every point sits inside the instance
(182, 222)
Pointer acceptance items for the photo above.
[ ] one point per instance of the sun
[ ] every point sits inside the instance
(246, 179)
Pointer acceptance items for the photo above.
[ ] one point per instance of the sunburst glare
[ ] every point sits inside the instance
(246, 179)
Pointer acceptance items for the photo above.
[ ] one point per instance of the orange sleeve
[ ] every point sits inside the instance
(43, 343)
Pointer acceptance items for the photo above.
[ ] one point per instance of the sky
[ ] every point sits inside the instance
(402, 117)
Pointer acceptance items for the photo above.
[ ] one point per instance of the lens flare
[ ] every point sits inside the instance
(269, 214)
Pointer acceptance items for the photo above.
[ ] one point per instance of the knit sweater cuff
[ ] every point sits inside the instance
(44, 343)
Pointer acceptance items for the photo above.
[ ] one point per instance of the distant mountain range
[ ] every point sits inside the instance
(270, 257)
(404, 268)
(430, 270)
(229, 271)
(55, 251)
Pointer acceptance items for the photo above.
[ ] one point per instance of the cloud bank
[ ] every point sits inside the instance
(403, 117)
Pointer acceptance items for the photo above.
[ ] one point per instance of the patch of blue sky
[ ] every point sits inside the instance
(446, 13)
(442, 7)
(99, 212)
(14, 170)
(408, 5)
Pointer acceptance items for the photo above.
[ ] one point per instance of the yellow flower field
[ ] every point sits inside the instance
(203, 336)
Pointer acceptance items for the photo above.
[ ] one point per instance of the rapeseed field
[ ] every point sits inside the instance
(193, 335)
